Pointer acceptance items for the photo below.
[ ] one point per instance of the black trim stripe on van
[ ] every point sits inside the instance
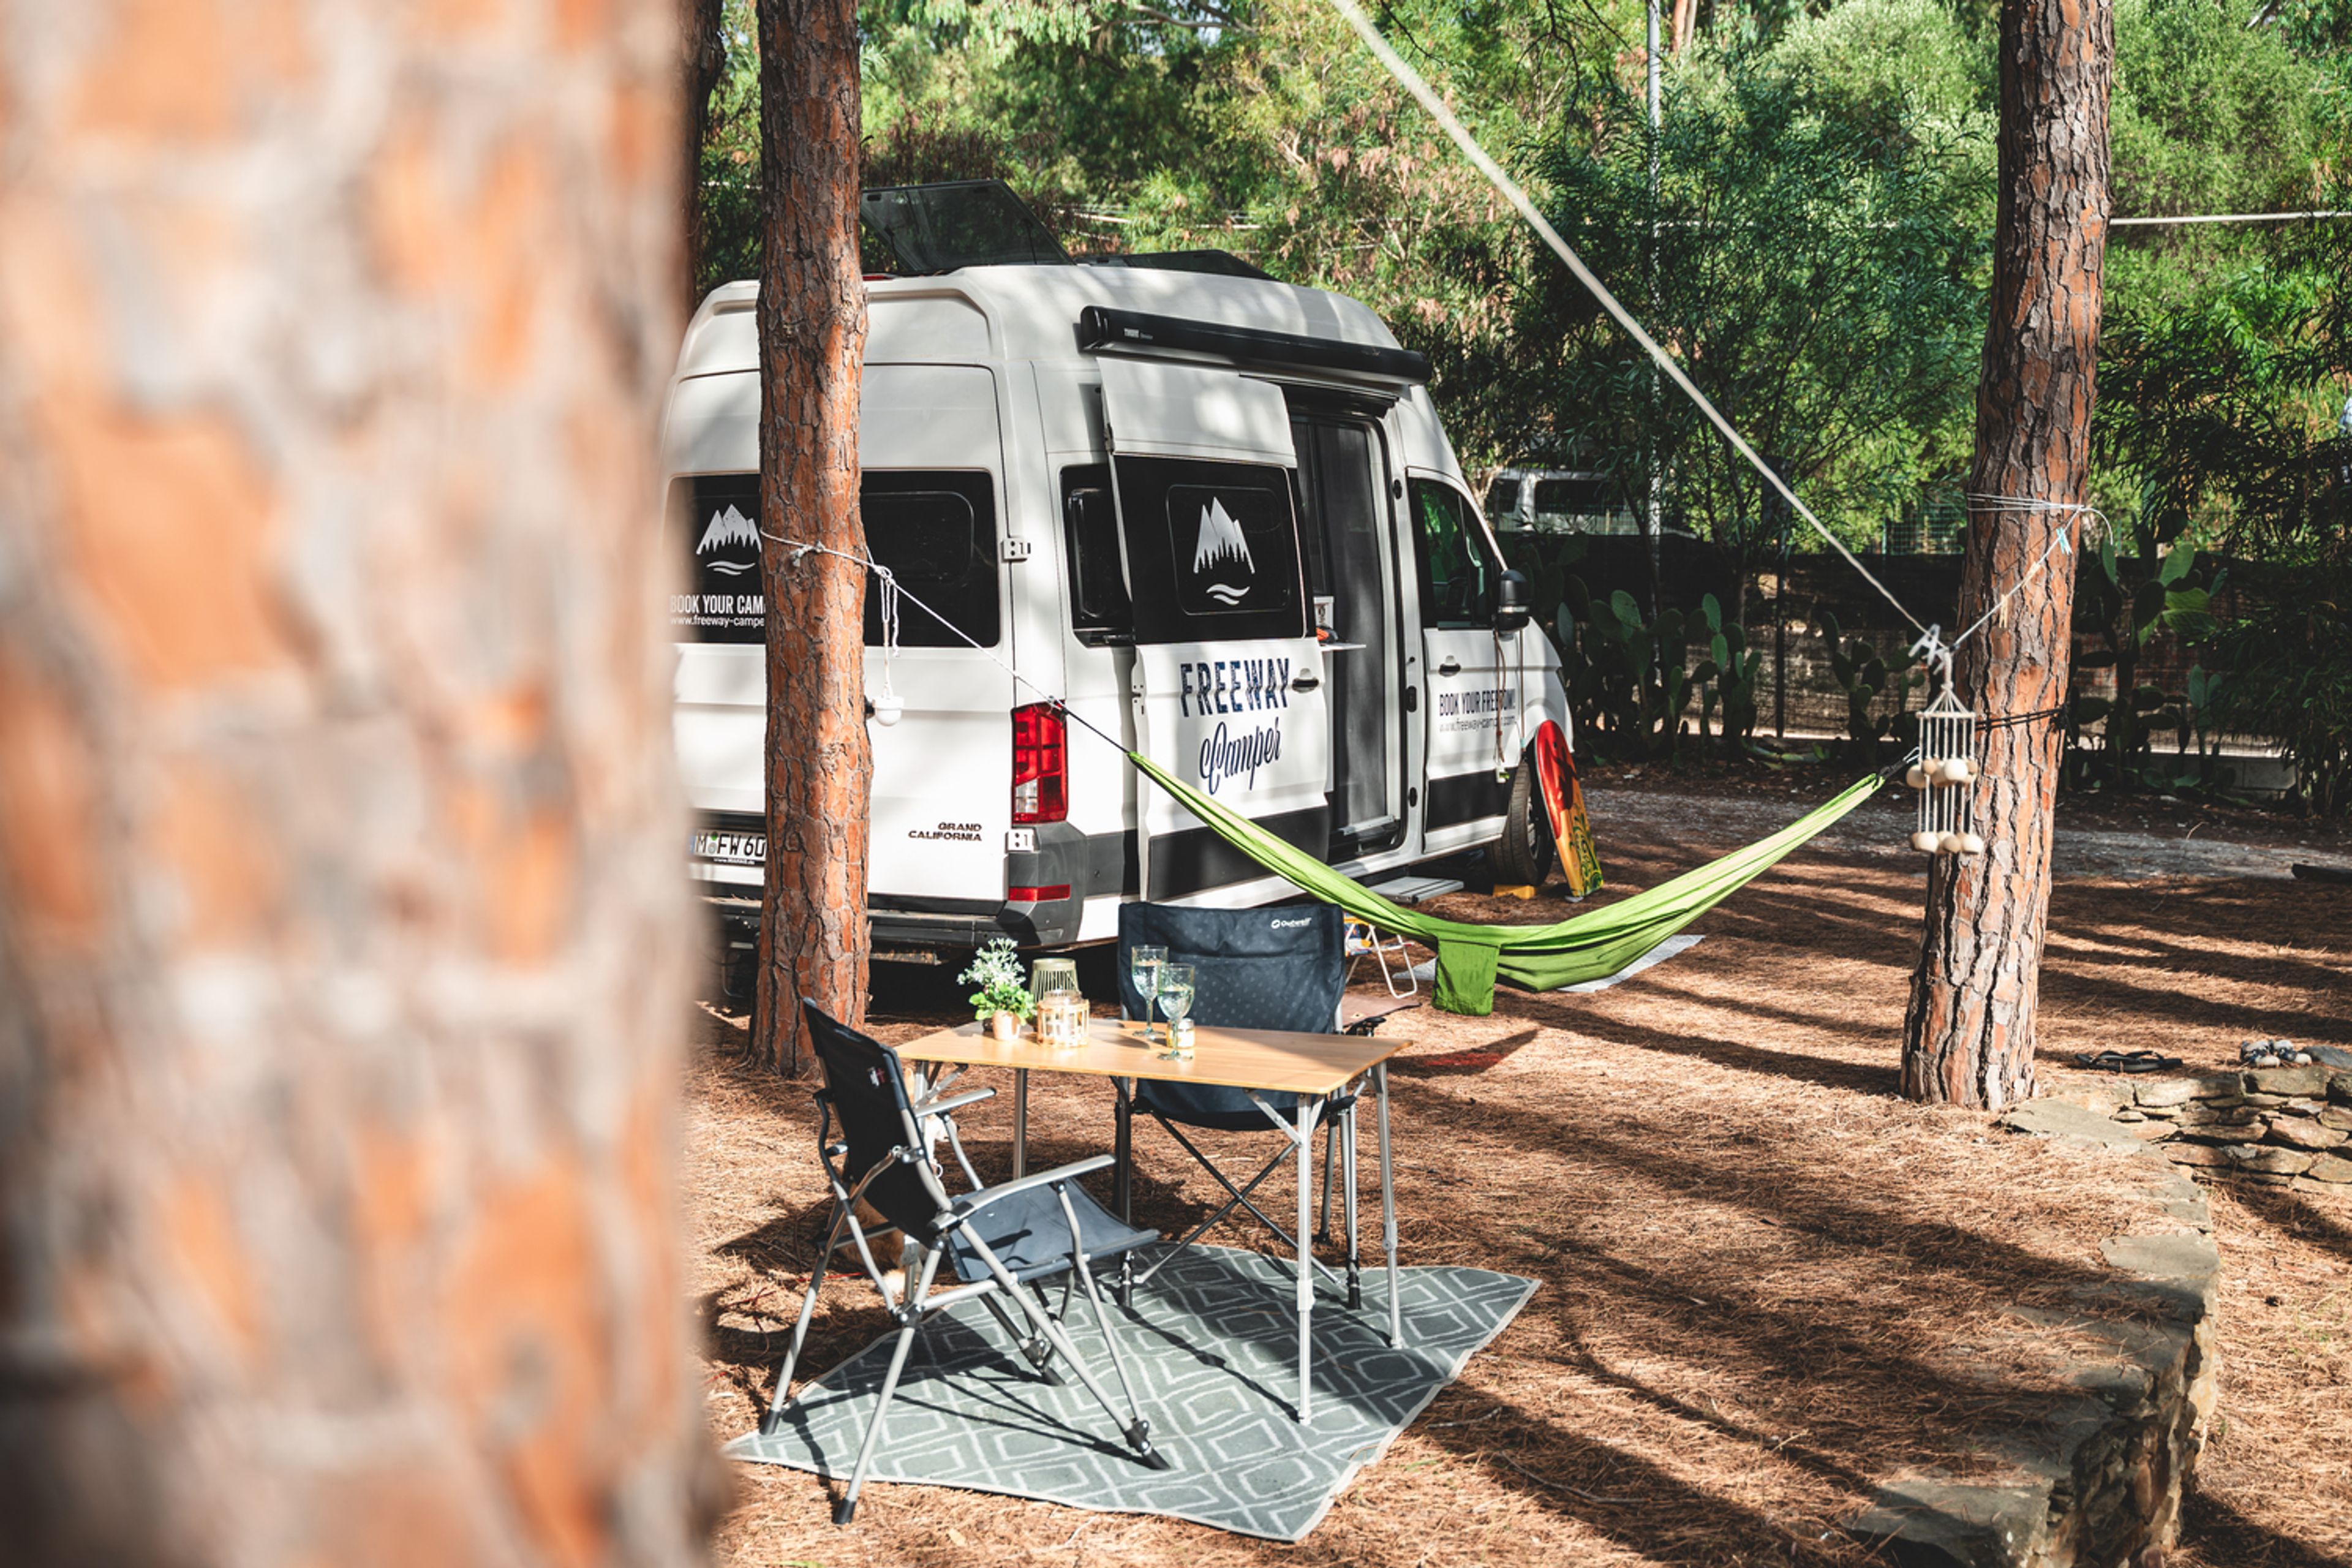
(1466, 797)
(1196, 861)
(1100, 327)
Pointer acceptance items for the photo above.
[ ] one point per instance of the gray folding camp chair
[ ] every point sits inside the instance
(1282, 968)
(994, 1241)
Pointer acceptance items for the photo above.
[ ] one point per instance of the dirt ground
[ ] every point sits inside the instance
(1767, 1283)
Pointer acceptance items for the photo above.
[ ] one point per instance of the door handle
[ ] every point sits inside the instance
(1450, 665)
(1305, 682)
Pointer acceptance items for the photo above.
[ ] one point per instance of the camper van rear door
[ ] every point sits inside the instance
(1227, 684)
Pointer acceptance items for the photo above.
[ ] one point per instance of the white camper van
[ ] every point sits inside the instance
(1216, 513)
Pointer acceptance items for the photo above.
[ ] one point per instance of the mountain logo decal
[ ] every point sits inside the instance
(1221, 542)
(730, 528)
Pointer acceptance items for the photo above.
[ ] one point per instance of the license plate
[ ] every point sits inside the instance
(730, 849)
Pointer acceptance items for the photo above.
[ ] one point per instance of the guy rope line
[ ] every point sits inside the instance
(1409, 79)
(893, 591)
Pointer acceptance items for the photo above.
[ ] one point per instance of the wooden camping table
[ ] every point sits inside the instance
(1312, 1067)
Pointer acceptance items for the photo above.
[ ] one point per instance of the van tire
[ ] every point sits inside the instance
(1522, 856)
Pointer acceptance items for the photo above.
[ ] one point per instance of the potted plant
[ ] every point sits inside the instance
(1002, 1000)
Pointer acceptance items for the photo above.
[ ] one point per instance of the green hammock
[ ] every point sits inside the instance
(1590, 946)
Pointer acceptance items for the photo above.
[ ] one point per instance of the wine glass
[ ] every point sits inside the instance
(1175, 994)
(1143, 967)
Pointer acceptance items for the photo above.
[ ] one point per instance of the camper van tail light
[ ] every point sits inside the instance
(1041, 765)
(1023, 895)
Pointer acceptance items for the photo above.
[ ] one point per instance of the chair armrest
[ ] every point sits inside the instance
(952, 1102)
(973, 1203)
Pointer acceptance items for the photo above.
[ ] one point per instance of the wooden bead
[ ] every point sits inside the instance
(1923, 842)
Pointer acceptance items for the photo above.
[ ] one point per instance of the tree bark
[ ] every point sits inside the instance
(811, 353)
(343, 932)
(702, 59)
(1969, 1035)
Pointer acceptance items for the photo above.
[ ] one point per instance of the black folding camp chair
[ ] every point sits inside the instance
(994, 1241)
(1283, 968)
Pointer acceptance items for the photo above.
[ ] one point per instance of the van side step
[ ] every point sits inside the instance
(1412, 889)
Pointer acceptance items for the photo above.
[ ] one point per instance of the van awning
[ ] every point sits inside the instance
(1160, 409)
(1100, 327)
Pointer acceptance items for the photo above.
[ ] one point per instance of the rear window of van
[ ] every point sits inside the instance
(935, 531)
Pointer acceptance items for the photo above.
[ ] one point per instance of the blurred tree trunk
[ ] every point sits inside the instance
(1969, 1038)
(342, 920)
(812, 354)
(702, 52)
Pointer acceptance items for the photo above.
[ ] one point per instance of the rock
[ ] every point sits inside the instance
(2340, 1087)
(2267, 1162)
(2069, 1123)
(1955, 1524)
(2330, 1056)
(2264, 1179)
(2291, 1080)
(2302, 1108)
(2330, 1168)
(2168, 1091)
(2264, 1101)
(2337, 1117)
(2304, 1134)
(2150, 1132)
(2232, 1132)
(2164, 1112)
(2216, 1115)
(2128, 1116)
(2181, 1153)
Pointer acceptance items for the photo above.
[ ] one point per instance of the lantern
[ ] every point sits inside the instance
(1943, 776)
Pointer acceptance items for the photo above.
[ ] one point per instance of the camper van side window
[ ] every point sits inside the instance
(937, 533)
(1099, 607)
(1457, 575)
(1212, 548)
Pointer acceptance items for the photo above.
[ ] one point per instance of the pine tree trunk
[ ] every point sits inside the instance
(342, 929)
(811, 351)
(702, 58)
(1969, 1038)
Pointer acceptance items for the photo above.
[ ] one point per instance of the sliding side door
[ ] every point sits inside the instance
(1228, 688)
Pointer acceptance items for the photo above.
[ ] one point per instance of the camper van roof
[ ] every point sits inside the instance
(1032, 312)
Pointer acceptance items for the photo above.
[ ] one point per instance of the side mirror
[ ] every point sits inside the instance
(1512, 608)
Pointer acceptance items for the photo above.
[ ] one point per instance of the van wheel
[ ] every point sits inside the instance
(1522, 856)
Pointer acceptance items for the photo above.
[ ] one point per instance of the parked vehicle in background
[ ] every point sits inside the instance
(1559, 501)
(1214, 512)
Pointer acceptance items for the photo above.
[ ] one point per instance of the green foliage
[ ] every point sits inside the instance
(1865, 676)
(1631, 682)
(2227, 403)
(1726, 677)
(2288, 675)
(1813, 274)
(1001, 986)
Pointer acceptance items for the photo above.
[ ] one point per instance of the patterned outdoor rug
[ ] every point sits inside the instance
(1212, 1345)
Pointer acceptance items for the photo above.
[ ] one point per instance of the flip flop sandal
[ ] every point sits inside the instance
(2126, 1061)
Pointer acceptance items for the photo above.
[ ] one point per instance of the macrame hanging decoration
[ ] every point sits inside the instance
(1946, 768)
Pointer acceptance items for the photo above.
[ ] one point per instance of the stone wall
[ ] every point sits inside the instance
(2282, 1126)
(2098, 1477)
